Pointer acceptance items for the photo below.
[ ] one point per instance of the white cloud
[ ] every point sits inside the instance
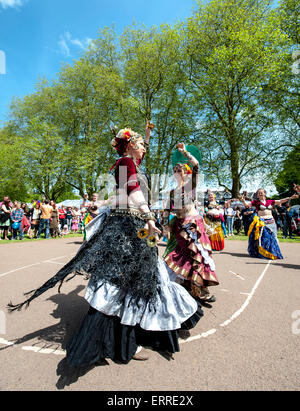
(63, 46)
(11, 3)
(67, 42)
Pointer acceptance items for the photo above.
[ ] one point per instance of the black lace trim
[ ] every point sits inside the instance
(115, 255)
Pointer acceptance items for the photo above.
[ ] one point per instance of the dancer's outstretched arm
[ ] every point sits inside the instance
(139, 202)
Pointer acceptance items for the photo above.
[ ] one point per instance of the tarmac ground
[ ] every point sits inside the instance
(247, 340)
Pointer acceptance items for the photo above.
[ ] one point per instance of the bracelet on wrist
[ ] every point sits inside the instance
(187, 154)
(150, 216)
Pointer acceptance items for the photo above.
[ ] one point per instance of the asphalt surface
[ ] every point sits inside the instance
(247, 340)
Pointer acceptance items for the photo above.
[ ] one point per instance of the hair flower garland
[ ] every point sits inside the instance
(124, 134)
(189, 170)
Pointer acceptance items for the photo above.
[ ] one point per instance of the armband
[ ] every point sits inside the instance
(149, 216)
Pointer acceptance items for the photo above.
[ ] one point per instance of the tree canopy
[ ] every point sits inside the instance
(221, 80)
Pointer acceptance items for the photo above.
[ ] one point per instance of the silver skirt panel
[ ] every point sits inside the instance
(173, 306)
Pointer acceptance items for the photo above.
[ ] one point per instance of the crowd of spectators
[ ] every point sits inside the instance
(236, 219)
(46, 218)
(43, 218)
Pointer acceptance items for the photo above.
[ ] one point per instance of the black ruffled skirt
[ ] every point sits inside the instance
(101, 336)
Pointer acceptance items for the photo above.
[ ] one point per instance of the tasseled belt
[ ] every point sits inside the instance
(127, 211)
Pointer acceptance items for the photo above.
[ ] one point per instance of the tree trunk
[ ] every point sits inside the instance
(236, 183)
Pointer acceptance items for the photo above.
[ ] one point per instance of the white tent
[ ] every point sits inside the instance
(158, 206)
(70, 203)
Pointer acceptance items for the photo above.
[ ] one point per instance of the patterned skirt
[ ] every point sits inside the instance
(214, 229)
(263, 242)
(188, 255)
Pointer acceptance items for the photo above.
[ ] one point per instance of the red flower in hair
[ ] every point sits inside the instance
(127, 135)
(189, 170)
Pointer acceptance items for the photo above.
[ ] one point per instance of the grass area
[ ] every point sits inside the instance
(280, 238)
(234, 238)
(26, 239)
(237, 237)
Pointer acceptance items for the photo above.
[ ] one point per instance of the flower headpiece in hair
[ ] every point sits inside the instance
(189, 170)
(125, 134)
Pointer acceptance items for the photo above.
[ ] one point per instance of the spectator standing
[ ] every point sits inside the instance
(16, 219)
(230, 213)
(238, 219)
(247, 216)
(54, 223)
(75, 221)
(26, 226)
(62, 216)
(69, 217)
(45, 219)
(6, 209)
(286, 218)
(275, 215)
(35, 218)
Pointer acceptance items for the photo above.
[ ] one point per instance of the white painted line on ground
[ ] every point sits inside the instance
(32, 265)
(5, 342)
(53, 262)
(197, 337)
(18, 269)
(225, 291)
(243, 307)
(190, 339)
(55, 258)
(44, 350)
(237, 275)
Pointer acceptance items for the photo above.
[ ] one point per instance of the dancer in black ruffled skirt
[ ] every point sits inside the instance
(132, 301)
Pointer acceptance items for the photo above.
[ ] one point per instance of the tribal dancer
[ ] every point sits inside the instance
(214, 220)
(262, 232)
(188, 252)
(132, 301)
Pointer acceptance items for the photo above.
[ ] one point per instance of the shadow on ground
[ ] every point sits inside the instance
(236, 254)
(70, 309)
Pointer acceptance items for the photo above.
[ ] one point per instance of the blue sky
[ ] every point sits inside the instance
(37, 36)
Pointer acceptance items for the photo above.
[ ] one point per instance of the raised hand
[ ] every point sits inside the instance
(297, 188)
(181, 147)
(294, 196)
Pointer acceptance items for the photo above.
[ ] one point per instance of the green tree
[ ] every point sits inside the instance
(281, 92)
(12, 177)
(89, 93)
(290, 172)
(155, 84)
(232, 47)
